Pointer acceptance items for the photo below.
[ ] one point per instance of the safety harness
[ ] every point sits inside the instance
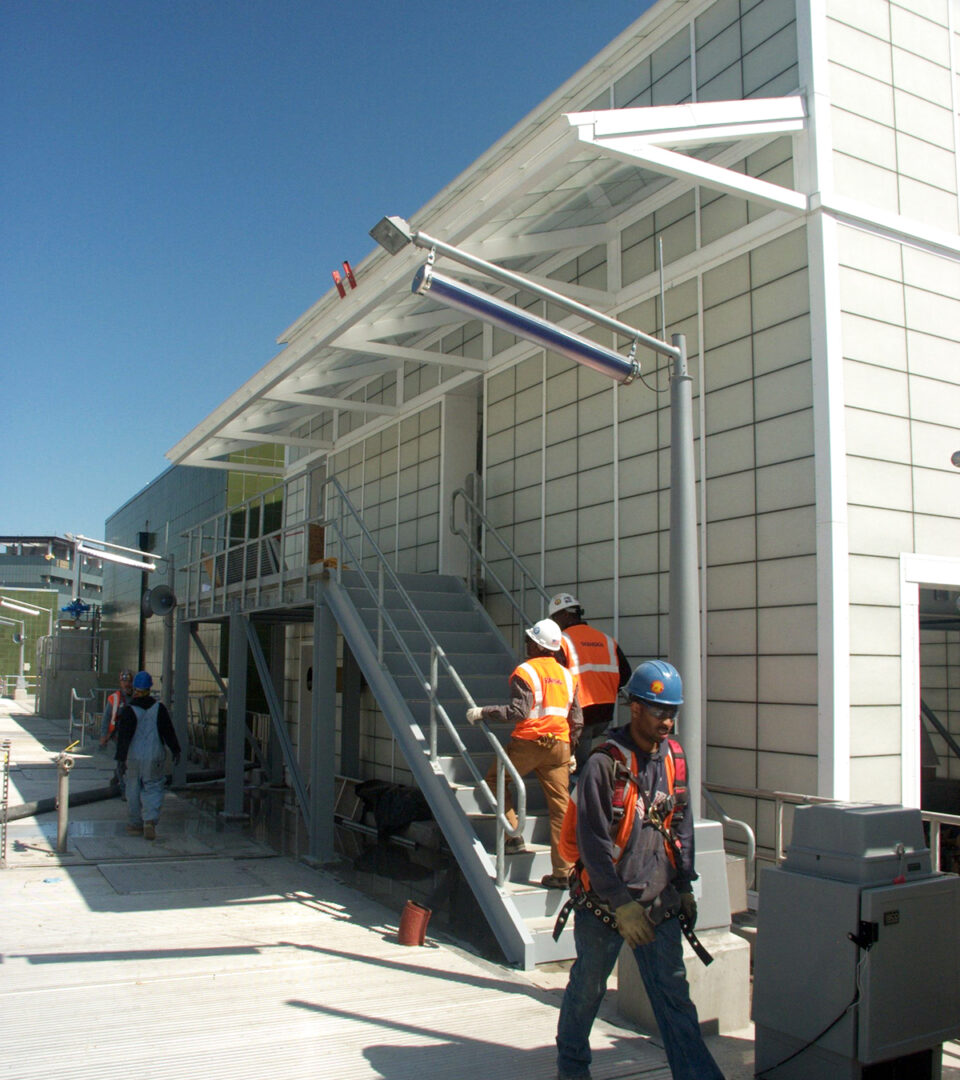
(662, 816)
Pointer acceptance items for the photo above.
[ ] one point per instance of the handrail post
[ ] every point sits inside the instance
(935, 843)
(501, 815)
(778, 831)
(380, 612)
(434, 682)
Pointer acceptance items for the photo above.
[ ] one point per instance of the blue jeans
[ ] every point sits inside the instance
(146, 784)
(662, 971)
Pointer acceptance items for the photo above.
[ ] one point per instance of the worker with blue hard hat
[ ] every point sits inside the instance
(145, 733)
(630, 834)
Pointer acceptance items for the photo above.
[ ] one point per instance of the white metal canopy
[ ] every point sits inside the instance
(533, 204)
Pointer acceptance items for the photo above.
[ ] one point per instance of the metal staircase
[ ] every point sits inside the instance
(428, 650)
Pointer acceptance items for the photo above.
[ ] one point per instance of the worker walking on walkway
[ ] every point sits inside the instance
(114, 703)
(596, 661)
(545, 710)
(145, 733)
(111, 712)
(633, 878)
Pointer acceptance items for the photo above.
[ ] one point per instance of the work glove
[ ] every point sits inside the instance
(634, 926)
(474, 715)
(688, 908)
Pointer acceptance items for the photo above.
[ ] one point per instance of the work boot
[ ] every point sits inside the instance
(135, 830)
(514, 845)
(556, 881)
(149, 830)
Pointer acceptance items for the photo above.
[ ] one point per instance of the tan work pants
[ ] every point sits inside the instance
(551, 762)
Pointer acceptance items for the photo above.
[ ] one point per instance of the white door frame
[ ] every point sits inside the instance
(915, 570)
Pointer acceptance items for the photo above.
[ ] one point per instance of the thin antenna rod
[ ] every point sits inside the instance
(663, 301)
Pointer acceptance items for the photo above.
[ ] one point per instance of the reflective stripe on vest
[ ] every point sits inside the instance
(552, 686)
(592, 657)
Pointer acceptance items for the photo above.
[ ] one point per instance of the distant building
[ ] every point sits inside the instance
(46, 562)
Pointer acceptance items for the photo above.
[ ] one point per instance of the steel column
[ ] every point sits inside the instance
(236, 718)
(684, 591)
(181, 696)
(323, 716)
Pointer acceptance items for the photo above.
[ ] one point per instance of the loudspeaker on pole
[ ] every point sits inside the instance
(160, 600)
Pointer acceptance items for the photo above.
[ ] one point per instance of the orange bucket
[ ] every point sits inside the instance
(413, 923)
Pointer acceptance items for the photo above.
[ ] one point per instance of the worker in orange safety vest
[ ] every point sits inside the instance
(545, 710)
(597, 663)
(114, 703)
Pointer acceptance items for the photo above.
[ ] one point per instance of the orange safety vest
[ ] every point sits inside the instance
(116, 700)
(592, 657)
(553, 688)
(624, 800)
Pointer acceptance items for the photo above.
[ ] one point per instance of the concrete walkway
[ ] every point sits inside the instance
(205, 955)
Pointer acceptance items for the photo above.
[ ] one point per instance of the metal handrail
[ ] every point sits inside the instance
(750, 837)
(935, 820)
(477, 556)
(429, 682)
(780, 799)
(4, 797)
(83, 701)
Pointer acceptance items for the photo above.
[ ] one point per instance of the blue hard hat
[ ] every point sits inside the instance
(143, 680)
(657, 682)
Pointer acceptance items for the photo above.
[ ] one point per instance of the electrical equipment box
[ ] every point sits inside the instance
(857, 964)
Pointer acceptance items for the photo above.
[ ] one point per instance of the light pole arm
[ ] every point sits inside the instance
(424, 240)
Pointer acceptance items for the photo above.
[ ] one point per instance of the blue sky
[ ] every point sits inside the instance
(179, 177)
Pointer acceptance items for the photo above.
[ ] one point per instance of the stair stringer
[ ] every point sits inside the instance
(501, 912)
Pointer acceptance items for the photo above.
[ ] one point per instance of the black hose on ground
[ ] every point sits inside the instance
(81, 798)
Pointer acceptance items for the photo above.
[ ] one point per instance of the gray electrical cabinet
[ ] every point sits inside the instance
(857, 963)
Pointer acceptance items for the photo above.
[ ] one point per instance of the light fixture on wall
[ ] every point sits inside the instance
(481, 305)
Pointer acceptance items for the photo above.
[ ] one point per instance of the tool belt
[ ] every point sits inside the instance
(581, 898)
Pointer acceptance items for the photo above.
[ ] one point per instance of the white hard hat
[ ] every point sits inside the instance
(546, 634)
(561, 602)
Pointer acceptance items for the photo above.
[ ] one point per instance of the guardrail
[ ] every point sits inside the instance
(10, 683)
(750, 838)
(782, 799)
(527, 581)
(438, 659)
(81, 722)
(4, 797)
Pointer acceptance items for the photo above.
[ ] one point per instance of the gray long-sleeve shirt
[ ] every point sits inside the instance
(644, 872)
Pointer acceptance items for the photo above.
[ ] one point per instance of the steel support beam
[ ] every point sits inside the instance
(236, 718)
(276, 715)
(181, 696)
(323, 716)
(350, 714)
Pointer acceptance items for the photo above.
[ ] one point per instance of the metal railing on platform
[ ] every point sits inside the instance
(337, 519)
(783, 799)
(84, 703)
(525, 582)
